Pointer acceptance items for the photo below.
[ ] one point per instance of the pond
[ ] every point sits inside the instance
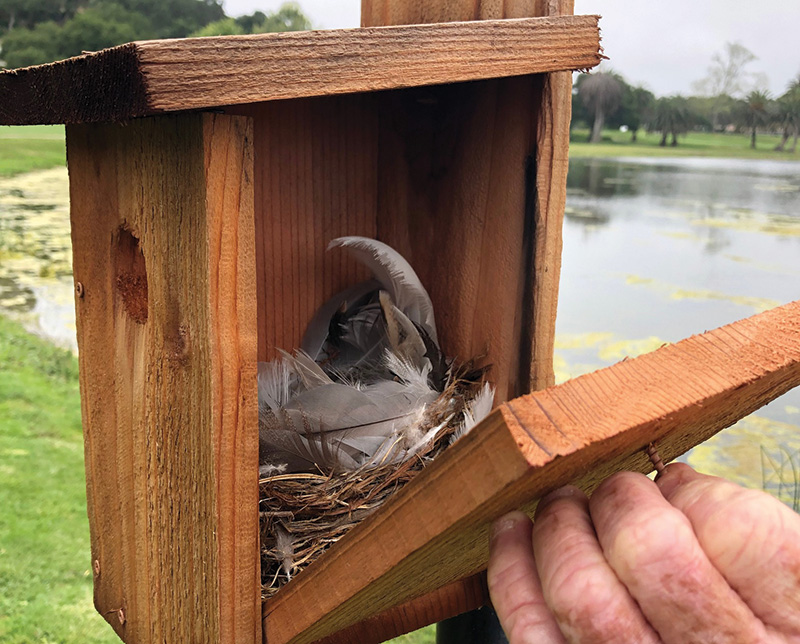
(654, 250)
(659, 249)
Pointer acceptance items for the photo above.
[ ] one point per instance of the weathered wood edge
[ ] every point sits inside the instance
(577, 432)
(102, 86)
(148, 77)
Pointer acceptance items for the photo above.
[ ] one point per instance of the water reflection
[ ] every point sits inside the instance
(35, 253)
(656, 250)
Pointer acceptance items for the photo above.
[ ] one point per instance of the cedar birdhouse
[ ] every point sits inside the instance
(206, 178)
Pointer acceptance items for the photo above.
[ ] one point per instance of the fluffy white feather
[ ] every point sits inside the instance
(284, 550)
(475, 411)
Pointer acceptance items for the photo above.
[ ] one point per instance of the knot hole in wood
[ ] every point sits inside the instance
(131, 275)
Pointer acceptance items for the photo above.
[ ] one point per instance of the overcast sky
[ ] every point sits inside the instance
(662, 45)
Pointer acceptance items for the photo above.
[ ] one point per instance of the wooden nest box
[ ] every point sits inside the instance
(207, 177)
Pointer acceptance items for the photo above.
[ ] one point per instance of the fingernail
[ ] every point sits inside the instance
(673, 476)
(508, 523)
(567, 491)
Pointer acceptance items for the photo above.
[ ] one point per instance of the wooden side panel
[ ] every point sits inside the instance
(162, 231)
(435, 531)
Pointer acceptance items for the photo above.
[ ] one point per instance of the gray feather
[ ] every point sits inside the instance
(395, 275)
(317, 330)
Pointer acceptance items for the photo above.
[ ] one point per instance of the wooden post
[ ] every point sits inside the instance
(162, 233)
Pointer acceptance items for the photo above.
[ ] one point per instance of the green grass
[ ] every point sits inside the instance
(693, 144)
(31, 147)
(45, 582)
(45, 578)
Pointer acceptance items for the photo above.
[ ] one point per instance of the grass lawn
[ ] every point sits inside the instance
(45, 580)
(31, 147)
(694, 144)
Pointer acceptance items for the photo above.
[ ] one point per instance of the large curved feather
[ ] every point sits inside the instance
(396, 275)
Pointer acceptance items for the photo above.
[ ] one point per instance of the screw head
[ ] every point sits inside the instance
(79, 289)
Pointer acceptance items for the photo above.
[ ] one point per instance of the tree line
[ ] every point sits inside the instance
(727, 99)
(41, 31)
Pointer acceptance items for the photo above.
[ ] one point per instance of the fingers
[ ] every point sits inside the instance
(514, 584)
(585, 595)
(749, 536)
(653, 550)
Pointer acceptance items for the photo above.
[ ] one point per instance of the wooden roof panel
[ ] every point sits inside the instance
(151, 77)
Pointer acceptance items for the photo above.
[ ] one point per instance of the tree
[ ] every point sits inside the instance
(754, 112)
(727, 76)
(636, 105)
(176, 18)
(26, 14)
(97, 27)
(101, 26)
(288, 18)
(788, 113)
(224, 27)
(23, 47)
(671, 117)
(601, 94)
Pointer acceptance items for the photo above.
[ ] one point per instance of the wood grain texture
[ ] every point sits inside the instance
(162, 229)
(448, 601)
(452, 200)
(148, 77)
(435, 531)
(549, 199)
(316, 165)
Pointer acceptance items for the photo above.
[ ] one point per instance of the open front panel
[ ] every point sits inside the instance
(442, 174)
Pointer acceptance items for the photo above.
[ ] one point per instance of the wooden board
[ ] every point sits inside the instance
(554, 115)
(148, 77)
(162, 229)
(435, 531)
(316, 168)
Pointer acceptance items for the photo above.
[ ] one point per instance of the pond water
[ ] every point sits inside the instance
(654, 250)
(659, 249)
(35, 254)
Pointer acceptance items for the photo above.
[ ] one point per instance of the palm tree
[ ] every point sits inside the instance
(755, 112)
(671, 116)
(601, 94)
(788, 108)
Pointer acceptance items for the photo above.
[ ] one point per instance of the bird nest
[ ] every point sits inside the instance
(302, 514)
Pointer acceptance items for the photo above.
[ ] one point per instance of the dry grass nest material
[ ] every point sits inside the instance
(303, 514)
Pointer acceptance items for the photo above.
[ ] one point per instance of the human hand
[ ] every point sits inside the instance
(690, 558)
